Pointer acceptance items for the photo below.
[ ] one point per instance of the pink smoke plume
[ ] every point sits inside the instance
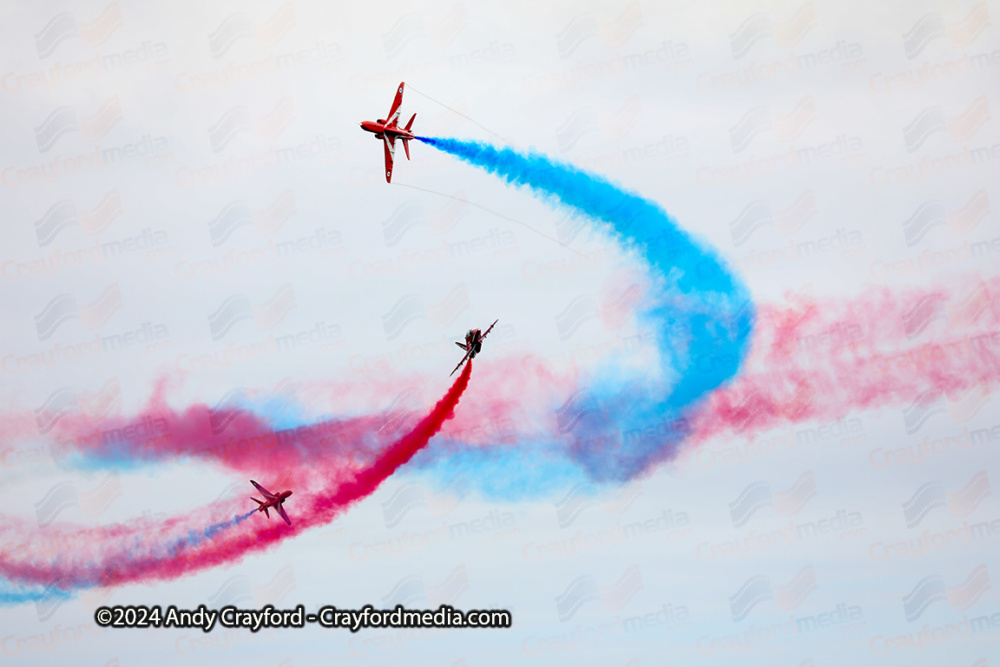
(68, 558)
(821, 360)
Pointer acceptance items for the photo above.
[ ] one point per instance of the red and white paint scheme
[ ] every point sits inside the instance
(272, 500)
(473, 344)
(388, 131)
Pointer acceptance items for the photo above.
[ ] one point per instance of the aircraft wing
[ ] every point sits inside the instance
(281, 510)
(267, 494)
(490, 329)
(393, 116)
(461, 362)
(390, 153)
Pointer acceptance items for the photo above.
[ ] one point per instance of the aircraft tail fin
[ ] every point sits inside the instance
(266, 513)
(259, 502)
(410, 124)
(406, 147)
(461, 346)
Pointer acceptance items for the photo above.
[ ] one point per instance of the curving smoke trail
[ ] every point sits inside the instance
(806, 360)
(699, 311)
(148, 551)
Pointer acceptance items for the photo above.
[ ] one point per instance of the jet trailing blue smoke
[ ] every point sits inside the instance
(700, 315)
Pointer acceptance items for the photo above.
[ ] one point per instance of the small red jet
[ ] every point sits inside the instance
(473, 344)
(272, 500)
(388, 131)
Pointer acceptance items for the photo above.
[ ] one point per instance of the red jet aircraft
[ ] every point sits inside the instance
(388, 131)
(272, 500)
(473, 344)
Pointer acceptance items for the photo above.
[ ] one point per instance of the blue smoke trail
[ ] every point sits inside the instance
(14, 594)
(701, 313)
(196, 537)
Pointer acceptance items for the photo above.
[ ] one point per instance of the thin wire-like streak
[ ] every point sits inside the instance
(499, 215)
(456, 111)
(470, 203)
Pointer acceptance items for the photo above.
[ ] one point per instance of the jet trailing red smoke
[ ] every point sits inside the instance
(67, 558)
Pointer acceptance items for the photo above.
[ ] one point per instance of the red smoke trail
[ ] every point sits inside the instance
(119, 554)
